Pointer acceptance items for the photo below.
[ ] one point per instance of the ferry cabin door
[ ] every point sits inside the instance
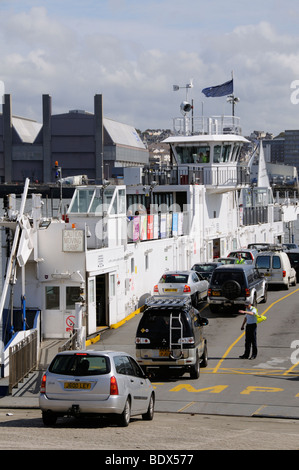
(105, 286)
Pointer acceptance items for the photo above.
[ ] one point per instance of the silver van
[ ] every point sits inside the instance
(276, 267)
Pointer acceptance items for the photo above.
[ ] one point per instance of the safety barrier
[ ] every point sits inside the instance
(22, 359)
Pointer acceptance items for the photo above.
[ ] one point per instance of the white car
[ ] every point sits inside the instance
(80, 383)
(276, 267)
(183, 283)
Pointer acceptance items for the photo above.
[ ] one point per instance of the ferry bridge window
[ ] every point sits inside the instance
(222, 153)
(72, 296)
(81, 201)
(52, 297)
(193, 154)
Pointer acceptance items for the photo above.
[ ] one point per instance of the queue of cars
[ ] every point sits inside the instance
(169, 337)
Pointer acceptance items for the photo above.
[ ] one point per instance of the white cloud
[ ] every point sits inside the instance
(135, 56)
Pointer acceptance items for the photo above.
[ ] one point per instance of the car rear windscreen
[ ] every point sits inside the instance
(80, 364)
(174, 278)
(156, 325)
(220, 277)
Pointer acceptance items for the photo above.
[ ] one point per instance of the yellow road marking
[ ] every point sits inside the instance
(186, 406)
(242, 335)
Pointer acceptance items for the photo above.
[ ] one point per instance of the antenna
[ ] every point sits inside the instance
(185, 105)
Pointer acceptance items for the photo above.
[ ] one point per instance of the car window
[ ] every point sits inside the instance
(276, 264)
(263, 262)
(195, 278)
(137, 371)
(204, 267)
(80, 364)
(223, 276)
(174, 278)
(123, 365)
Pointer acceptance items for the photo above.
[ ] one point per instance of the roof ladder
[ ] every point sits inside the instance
(175, 324)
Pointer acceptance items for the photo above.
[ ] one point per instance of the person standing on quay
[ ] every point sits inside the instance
(250, 321)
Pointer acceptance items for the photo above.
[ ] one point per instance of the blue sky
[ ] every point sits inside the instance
(133, 51)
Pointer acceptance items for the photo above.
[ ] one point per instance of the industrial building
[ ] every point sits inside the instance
(82, 142)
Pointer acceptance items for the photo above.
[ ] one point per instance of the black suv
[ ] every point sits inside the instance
(233, 285)
(170, 335)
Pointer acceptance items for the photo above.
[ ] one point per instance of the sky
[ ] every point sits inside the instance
(134, 51)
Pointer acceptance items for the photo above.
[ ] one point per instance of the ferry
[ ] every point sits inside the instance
(94, 265)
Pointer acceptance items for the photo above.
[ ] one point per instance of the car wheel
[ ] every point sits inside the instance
(195, 370)
(148, 416)
(265, 296)
(124, 418)
(204, 357)
(231, 289)
(49, 418)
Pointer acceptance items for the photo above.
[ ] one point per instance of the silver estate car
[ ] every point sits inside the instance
(183, 283)
(79, 383)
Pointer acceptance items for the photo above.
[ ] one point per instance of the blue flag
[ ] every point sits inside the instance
(226, 88)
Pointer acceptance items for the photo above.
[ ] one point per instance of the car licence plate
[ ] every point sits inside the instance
(216, 292)
(77, 385)
(164, 352)
(170, 290)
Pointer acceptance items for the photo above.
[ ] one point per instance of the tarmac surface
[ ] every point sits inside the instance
(168, 431)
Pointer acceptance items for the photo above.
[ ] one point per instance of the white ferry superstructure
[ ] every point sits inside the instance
(115, 241)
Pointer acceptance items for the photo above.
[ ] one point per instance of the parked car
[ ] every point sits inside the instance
(289, 246)
(186, 283)
(276, 267)
(88, 383)
(205, 269)
(170, 336)
(227, 260)
(258, 246)
(233, 285)
(294, 260)
(246, 254)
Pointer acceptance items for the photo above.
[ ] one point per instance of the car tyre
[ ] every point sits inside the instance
(204, 357)
(49, 418)
(195, 369)
(148, 416)
(231, 289)
(124, 418)
(265, 295)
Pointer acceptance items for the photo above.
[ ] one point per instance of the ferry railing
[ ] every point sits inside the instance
(216, 175)
(194, 125)
(255, 215)
(22, 359)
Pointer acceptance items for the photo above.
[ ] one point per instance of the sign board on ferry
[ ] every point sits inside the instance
(73, 240)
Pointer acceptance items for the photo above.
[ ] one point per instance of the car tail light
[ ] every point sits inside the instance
(113, 386)
(247, 292)
(209, 292)
(187, 340)
(139, 340)
(284, 273)
(187, 288)
(43, 384)
(156, 288)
